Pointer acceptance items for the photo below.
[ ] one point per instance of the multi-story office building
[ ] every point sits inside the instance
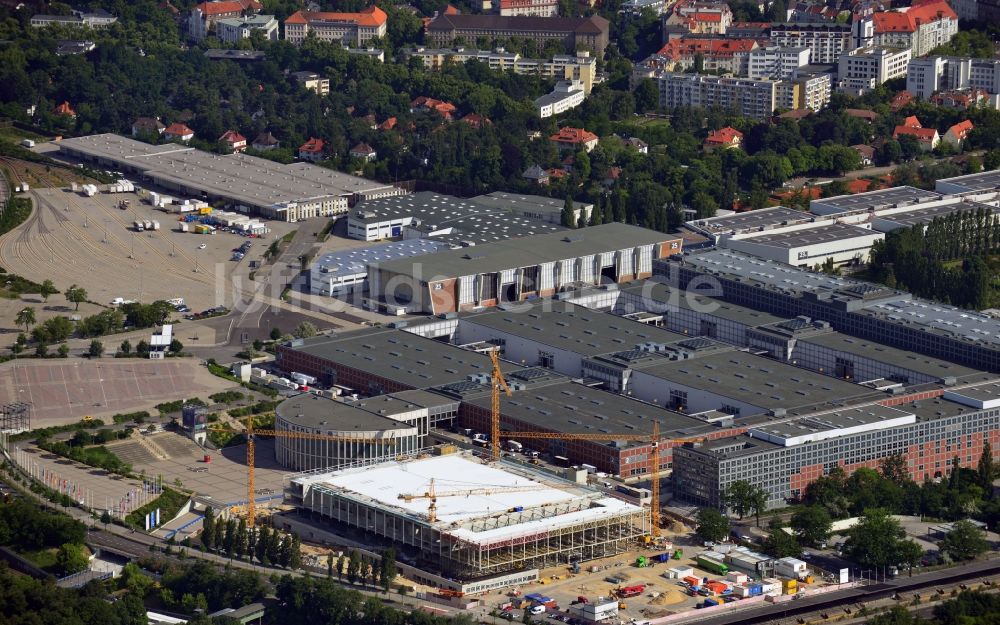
(355, 29)
(204, 16)
(926, 76)
(826, 42)
(756, 99)
(775, 62)
(861, 70)
(233, 29)
(567, 94)
(575, 33)
(580, 67)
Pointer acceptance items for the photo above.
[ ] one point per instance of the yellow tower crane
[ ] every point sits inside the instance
(432, 494)
(250, 433)
(498, 383)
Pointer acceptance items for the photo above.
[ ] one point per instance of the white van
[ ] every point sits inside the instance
(536, 609)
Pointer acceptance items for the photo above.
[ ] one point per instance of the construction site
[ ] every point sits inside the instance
(460, 516)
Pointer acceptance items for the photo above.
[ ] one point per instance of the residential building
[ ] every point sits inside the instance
(535, 8)
(634, 8)
(723, 138)
(730, 56)
(364, 152)
(702, 17)
(750, 98)
(958, 133)
(581, 66)
(96, 19)
(638, 144)
(178, 132)
(804, 90)
(64, 110)
(312, 150)
(265, 141)
(861, 70)
(566, 95)
(375, 54)
(775, 62)
(67, 47)
(574, 139)
(964, 100)
(867, 154)
(537, 175)
(232, 141)
(926, 76)
(355, 29)
(475, 120)
(919, 28)
(574, 33)
(928, 137)
(424, 105)
(313, 82)
(150, 126)
(234, 29)
(826, 42)
(203, 17)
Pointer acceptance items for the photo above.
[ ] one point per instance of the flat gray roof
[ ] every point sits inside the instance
(527, 251)
(748, 221)
(760, 381)
(940, 408)
(470, 220)
(968, 325)
(245, 179)
(812, 236)
(894, 356)
(882, 198)
(984, 181)
(927, 214)
(572, 328)
(407, 358)
(833, 420)
(577, 409)
(665, 297)
(355, 261)
(316, 412)
(522, 202)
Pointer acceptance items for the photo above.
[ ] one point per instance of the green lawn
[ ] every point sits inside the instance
(44, 559)
(16, 135)
(169, 503)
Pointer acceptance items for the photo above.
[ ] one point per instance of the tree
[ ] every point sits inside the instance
(208, 529)
(985, 468)
(47, 289)
(96, 349)
(909, 553)
(745, 498)
(134, 581)
(125, 347)
(329, 564)
(965, 541)
(895, 469)
(41, 350)
(63, 350)
(295, 554)
(712, 525)
(26, 317)
(72, 558)
(304, 330)
(341, 563)
(275, 334)
(812, 524)
(568, 216)
(781, 544)
(142, 348)
(874, 541)
(76, 295)
(354, 566)
(387, 568)
(176, 346)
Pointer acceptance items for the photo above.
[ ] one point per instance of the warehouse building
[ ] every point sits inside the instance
(339, 274)
(486, 520)
(786, 455)
(519, 269)
(983, 181)
(539, 207)
(251, 185)
(374, 361)
(460, 222)
(856, 308)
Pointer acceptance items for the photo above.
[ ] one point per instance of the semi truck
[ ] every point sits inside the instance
(712, 565)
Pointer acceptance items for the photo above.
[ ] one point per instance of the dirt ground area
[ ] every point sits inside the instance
(74, 239)
(64, 391)
(38, 175)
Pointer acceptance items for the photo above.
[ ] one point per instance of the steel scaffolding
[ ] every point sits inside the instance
(15, 417)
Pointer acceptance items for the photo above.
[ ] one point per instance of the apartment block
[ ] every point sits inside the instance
(536, 8)
(926, 76)
(573, 32)
(804, 90)
(776, 62)
(826, 42)
(919, 28)
(859, 71)
(355, 29)
(566, 95)
(234, 29)
(756, 99)
(581, 67)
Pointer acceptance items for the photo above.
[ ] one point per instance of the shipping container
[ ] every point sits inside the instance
(184, 226)
(156, 225)
(691, 580)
